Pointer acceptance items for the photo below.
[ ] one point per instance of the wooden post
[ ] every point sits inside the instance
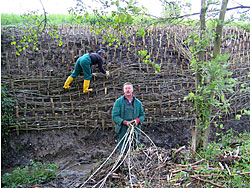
(44, 111)
(52, 105)
(18, 66)
(72, 106)
(103, 124)
(17, 129)
(17, 111)
(56, 116)
(7, 63)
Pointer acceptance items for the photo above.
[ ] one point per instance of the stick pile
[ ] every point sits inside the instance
(157, 167)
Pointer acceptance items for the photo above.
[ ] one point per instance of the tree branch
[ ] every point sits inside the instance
(198, 13)
(45, 15)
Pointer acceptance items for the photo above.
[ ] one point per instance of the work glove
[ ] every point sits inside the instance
(107, 73)
(137, 121)
(94, 74)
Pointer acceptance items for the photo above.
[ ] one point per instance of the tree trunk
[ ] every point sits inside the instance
(217, 41)
(196, 131)
(216, 51)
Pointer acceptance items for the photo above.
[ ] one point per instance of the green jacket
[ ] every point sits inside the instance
(118, 112)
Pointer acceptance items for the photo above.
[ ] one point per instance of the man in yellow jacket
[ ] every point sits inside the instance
(83, 64)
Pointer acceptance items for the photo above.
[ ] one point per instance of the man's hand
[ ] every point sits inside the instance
(94, 74)
(124, 122)
(135, 122)
(107, 73)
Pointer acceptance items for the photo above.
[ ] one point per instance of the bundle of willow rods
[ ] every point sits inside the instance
(125, 157)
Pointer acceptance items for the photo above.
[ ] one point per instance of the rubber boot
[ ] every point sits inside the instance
(68, 81)
(86, 86)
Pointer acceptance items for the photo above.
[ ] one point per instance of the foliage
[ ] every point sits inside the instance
(238, 149)
(114, 23)
(7, 112)
(146, 59)
(35, 173)
(174, 9)
(91, 19)
(245, 89)
(215, 80)
(59, 19)
(224, 163)
(241, 24)
(39, 25)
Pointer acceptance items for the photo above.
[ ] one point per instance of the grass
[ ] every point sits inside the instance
(59, 19)
(27, 20)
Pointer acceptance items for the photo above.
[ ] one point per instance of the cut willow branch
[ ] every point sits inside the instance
(206, 181)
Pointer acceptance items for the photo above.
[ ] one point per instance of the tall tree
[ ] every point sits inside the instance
(212, 78)
(196, 131)
(220, 23)
(216, 51)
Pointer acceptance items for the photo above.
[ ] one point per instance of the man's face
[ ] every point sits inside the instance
(128, 90)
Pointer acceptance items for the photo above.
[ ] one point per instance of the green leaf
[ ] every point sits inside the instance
(186, 98)
(141, 32)
(223, 98)
(191, 95)
(237, 117)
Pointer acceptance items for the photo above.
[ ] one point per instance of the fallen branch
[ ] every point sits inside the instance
(240, 174)
(229, 172)
(206, 181)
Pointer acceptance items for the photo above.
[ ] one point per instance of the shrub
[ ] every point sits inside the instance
(35, 173)
(7, 112)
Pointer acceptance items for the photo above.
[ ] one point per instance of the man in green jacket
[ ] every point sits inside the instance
(83, 64)
(125, 109)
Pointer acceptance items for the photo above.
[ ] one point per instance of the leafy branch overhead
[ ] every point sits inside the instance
(32, 34)
(114, 22)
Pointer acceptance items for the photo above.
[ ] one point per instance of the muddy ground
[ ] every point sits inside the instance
(67, 146)
(77, 151)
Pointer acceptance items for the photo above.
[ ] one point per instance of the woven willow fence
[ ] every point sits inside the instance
(35, 79)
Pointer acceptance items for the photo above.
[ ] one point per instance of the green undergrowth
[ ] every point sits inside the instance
(224, 163)
(7, 113)
(34, 174)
